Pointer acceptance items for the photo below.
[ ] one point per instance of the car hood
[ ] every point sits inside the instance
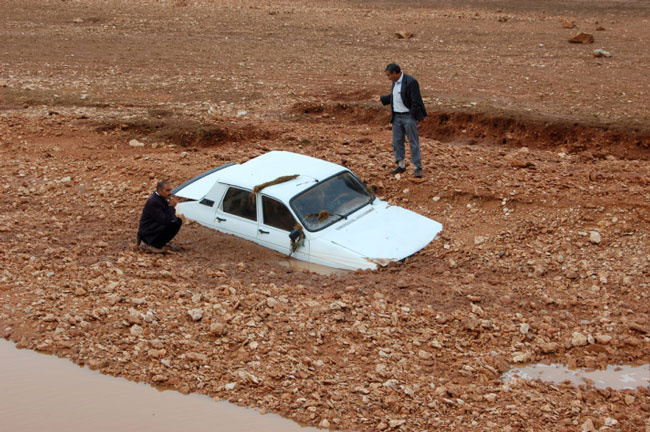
(385, 233)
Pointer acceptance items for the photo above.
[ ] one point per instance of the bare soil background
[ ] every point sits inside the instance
(536, 163)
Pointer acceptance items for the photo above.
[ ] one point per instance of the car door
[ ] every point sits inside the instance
(237, 214)
(275, 224)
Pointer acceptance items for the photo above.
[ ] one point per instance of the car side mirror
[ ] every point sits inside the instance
(294, 235)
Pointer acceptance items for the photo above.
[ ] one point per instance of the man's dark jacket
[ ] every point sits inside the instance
(411, 97)
(157, 214)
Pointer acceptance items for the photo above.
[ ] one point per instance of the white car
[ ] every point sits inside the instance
(308, 208)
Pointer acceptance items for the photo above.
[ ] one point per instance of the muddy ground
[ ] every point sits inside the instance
(536, 163)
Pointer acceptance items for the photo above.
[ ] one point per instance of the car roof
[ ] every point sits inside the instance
(275, 164)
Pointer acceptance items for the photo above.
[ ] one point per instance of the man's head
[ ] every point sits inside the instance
(164, 189)
(393, 72)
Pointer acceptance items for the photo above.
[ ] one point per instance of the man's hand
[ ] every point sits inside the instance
(172, 201)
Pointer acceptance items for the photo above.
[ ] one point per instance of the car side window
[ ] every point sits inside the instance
(277, 214)
(238, 202)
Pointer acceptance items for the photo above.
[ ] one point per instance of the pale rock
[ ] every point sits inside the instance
(519, 357)
(610, 422)
(424, 355)
(578, 339)
(136, 330)
(217, 329)
(391, 383)
(338, 305)
(524, 328)
(490, 397)
(599, 52)
(603, 339)
(393, 424)
(136, 143)
(248, 377)
(588, 426)
(594, 237)
(271, 302)
(478, 240)
(324, 424)
(134, 317)
(195, 314)
(230, 386)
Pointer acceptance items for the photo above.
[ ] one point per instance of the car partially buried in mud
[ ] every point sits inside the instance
(307, 208)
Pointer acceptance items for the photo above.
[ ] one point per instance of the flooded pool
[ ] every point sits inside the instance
(616, 377)
(45, 393)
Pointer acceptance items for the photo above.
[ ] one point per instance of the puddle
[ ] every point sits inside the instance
(615, 377)
(314, 268)
(47, 393)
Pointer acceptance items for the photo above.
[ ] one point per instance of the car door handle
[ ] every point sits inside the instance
(262, 231)
(220, 219)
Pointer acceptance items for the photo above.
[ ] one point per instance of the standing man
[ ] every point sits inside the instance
(406, 110)
(158, 223)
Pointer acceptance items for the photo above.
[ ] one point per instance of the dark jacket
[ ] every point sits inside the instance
(156, 215)
(411, 97)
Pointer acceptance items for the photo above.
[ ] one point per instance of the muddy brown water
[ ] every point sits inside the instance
(615, 377)
(45, 393)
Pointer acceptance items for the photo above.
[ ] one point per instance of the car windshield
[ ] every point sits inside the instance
(330, 200)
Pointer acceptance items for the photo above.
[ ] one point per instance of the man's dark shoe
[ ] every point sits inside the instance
(418, 173)
(398, 170)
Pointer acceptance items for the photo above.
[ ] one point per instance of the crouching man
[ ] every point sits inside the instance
(158, 223)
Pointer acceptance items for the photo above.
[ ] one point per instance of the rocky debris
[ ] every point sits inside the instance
(594, 237)
(569, 24)
(136, 143)
(582, 38)
(195, 314)
(578, 339)
(217, 329)
(599, 52)
(403, 34)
